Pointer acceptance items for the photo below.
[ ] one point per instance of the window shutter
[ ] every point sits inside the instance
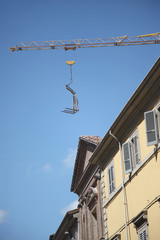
(111, 179)
(143, 235)
(151, 128)
(127, 157)
(136, 150)
(109, 176)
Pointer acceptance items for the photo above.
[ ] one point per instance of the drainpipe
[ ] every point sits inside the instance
(78, 230)
(123, 188)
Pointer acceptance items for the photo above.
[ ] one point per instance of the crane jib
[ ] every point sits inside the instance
(147, 39)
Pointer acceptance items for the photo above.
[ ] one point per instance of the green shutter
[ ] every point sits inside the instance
(151, 128)
(127, 157)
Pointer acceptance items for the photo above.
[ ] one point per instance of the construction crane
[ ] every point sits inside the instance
(147, 39)
(153, 38)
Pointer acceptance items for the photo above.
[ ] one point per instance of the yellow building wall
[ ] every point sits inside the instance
(115, 214)
(144, 187)
(117, 170)
(141, 190)
(154, 222)
(153, 227)
(132, 234)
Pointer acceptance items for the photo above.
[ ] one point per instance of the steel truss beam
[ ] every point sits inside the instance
(88, 43)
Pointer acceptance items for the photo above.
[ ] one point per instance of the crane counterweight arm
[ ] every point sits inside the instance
(153, 38)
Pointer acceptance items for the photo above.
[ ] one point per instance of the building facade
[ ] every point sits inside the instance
(86, 222)
(86, 184)
(129, 156)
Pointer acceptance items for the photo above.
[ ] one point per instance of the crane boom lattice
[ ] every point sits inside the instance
(153, 38)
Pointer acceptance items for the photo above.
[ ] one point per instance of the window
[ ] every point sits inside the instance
(151, 128)
(141, 224)
(152, 121)
(127, 157)
(131, 154)
(143, 233)
(135, 149)
(111, 179)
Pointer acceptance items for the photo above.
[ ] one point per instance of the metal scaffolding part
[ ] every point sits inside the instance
(153, 38)
(75, 101)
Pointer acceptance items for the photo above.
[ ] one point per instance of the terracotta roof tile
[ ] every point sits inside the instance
(94, 139)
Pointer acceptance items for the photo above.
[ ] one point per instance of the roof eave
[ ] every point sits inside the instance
(64, 224)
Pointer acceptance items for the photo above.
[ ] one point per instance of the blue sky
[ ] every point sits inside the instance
(37, 141)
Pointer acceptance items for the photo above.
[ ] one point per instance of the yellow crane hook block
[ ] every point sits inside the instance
(70, 62)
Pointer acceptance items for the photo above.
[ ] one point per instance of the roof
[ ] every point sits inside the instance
(84, 140)
(93, 139)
